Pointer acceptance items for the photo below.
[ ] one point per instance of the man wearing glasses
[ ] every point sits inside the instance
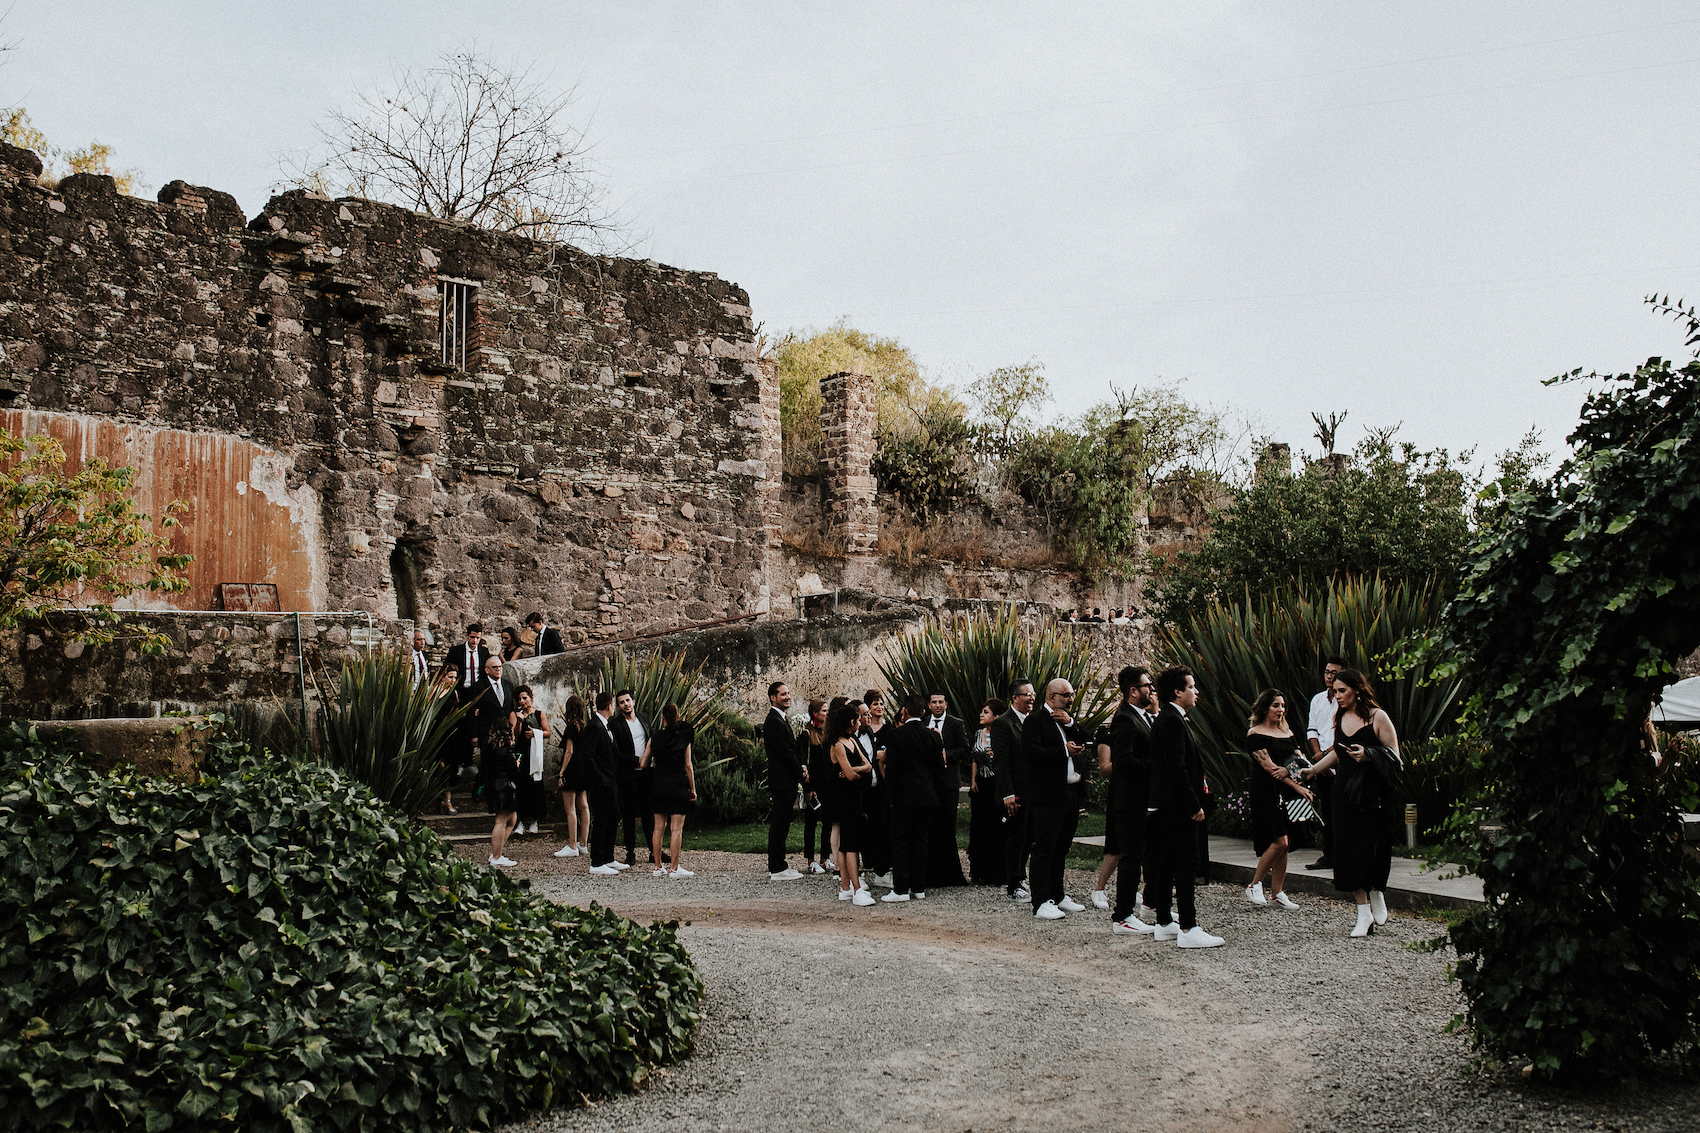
(1321, 737)
(1129, 794)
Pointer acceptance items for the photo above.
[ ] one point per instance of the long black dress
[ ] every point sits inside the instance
(1363, 843)
(1268, 797)
(985, 817)
(531, 798)
(669, 787)
(847, 803)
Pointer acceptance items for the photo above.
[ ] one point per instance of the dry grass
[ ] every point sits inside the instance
(812, 544)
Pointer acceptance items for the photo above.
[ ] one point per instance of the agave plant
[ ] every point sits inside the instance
(975, 658)
(387, 732)
(1279, 640)
(657, 679)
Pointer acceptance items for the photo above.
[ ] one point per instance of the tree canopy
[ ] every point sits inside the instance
(58, 163)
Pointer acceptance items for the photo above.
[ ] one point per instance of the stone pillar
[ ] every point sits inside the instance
(847, 423)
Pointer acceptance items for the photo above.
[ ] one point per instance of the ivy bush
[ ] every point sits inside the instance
(272, 949)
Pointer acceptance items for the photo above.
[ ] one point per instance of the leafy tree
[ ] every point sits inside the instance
(1005, 397)
(95, 157)
(466, 139)
(929, 466)
(75, 540)
(1574, 606)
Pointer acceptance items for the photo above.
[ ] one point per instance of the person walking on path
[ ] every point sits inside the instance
(1320, 736)
(666, 759)
(1176, 806)
(784, 774)
(1366, 750)
(1271, 743)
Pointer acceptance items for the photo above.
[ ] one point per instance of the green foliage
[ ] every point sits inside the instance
(1004, 399)
(386, 732)
(928, 468)
(69, 537)
(271, 948)
(1280, 639)
(1573, 607)
(973, 658)
(805, 357)
(96, 157)
(1397, 512)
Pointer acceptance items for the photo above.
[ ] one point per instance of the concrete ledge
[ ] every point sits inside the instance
(171, 747)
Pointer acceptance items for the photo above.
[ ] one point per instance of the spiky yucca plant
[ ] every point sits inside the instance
(972, 659)
(1279, 640)
(385, 731)
(657, 679)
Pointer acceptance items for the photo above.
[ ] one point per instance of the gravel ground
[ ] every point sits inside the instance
(962, 1012)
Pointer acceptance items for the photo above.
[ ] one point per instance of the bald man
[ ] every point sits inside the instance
(1049, 742)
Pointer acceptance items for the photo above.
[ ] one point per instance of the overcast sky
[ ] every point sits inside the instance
(1412, 212)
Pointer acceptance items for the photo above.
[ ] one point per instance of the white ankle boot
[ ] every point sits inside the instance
(1365, 919)
(1378, 906)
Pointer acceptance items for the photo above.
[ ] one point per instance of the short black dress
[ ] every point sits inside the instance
(849, 805)
(670, 788)
(1268, 797)
(575, 776)
(498, 772)
(1363, 842)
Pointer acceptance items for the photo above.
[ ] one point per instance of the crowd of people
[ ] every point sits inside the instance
(878, 787)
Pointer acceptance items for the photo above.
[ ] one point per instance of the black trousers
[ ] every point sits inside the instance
(811, 820)
(985, 836)
(910, 826)
(1171, 848)
(1053, 832)
(1129, 826)
(876, 845)
(634, 811)
(604, 818)
(779, 825)
(1323, 788)
(533, 800)
(1017, 844)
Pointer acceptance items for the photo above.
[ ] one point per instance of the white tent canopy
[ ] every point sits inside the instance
(1680, 703)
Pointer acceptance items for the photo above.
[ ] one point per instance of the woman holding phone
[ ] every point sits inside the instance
(1363, 846)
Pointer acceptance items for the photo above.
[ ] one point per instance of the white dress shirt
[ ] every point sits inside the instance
(1322, 720)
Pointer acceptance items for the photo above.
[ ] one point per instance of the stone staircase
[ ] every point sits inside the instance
(472, 822)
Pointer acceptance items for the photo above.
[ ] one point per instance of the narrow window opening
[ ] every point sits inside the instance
(404, 582)
(454, 321)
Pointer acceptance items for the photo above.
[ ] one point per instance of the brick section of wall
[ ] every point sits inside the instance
(847, 421)
(606, 457)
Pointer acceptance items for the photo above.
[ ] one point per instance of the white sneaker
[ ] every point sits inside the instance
(504, 861)
(1133, 926)
(1166, 931)
(532, 829)
(1070, 905)
(1285, 901)
(567, 851)
(1378, 906)
(604, 871)
(894, 896)
(1100, 899)
(658, 872)
(919, 894)
(814, 867)
(787, 874)
(681, 872)
(846, 894)
(1196, 937)
(831, 867)
(882, 879)
(862, 884)
(621, 866)
(1049, 912)
(862, 897)
(1254, 894)
(1021, 894)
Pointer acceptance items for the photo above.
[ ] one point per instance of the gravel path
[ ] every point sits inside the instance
(962, 1012)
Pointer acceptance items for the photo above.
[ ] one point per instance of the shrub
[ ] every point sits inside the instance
(271, 948)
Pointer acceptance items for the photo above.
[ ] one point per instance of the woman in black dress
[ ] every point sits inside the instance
(574, 779)
(529, 735)
(1363, 844)
(672, 786)
(498, 777)
(876, 729)
(1271, 743)
(811, 753)
(985, 803)
(850, 769)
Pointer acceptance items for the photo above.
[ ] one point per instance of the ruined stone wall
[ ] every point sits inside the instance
(604, 455)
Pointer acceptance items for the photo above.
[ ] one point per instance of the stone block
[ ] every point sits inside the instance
(171, 747)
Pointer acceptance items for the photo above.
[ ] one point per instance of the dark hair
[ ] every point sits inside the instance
(1017, 685)
(625, 692)
(475, 627)
(1265, 700)
(997, 706)
(529, 618)
(773, 689)
(524, 690)
(669, 714)
(815, 735)
(1171, 682)
(1129, 677)
(915, 703)
(451, 667)
(1335, 660)
(510, 634)
(1365, 697)
(574, 714)
(604, 699)
(873, 696)
(841, 720)
(944, 696)
(835, 704)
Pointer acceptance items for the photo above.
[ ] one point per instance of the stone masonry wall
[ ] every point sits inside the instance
(606, 455)
(847, 426)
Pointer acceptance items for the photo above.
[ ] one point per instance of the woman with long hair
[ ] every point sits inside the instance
(498, 774)
(512, 647)
(574, 779)
(1271, 743)
(985, 803)
(672, 786)
(876, 850)
(811, 753)
(1366, 747)
(850, 767)
(529, 735)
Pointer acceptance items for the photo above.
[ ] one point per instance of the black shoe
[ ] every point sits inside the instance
(1324, 862)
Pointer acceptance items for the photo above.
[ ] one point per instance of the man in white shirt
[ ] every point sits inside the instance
(420, 663)
(1006, 750)
(1321, 737)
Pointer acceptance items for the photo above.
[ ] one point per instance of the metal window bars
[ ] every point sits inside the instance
(454, 320)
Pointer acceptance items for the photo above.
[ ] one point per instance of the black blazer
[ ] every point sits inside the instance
(596, 748)
(912, 756)
(625, 747)
(957, 751)
(488, 714)
(1177, 768)
(1044, 753)
(547, 642)
(457, 657)
(1005, 735)
(1130, 760)
(783, 770)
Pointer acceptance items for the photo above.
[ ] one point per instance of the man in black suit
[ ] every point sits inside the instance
(631, 733)
(467, 659)
(1129, 794)
(604, 787)
(1049, 742)
(545, 638)
(946, 859)
(913, 757)
(494, 712)
(784, 773)
(1006, 750)
(1176, 809)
